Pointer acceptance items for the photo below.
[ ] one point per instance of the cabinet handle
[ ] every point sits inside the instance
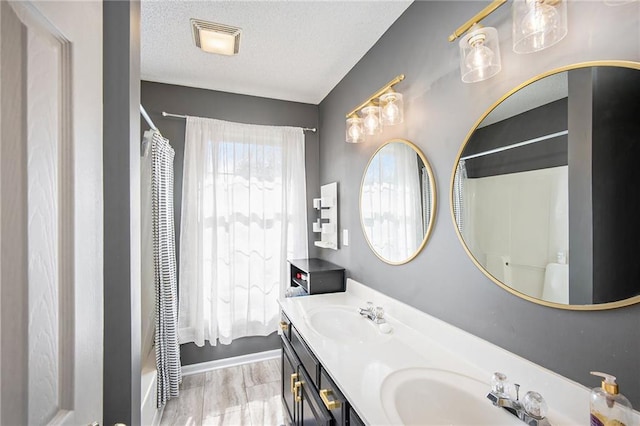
(331, 405)
(284, 325)
(294, 377)
(296, 389)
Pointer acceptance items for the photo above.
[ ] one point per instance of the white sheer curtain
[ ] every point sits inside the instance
(243, 216)
(391, 202)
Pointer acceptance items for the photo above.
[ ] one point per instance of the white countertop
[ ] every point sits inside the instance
(420, 340)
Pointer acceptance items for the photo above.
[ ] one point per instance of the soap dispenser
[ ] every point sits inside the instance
(608, 407)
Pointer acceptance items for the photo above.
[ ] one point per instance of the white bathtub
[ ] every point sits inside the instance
(149, 414)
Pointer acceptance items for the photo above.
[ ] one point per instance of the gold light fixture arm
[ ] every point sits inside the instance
(476, 18)
(376, 95)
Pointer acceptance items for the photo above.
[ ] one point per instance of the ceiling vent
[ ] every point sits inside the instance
(216, 38)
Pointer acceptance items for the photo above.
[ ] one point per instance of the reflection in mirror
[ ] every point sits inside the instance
(397, 201)
(545, 191)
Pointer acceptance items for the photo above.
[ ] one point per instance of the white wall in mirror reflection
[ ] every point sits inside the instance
(519, 231)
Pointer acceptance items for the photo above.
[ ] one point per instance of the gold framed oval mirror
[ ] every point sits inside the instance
(397, 201)
(543, 195)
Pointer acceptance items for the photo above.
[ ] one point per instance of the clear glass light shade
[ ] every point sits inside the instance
(479, 54)
(371, 120)
(391, 108)
(538, 24)
(355, 130)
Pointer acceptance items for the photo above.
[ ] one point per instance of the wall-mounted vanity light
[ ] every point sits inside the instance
(383, 108)
(537, 24)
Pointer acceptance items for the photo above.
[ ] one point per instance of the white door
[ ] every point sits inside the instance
(51, 243)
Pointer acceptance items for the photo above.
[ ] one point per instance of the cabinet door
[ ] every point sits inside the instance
(290, 365)
(312, 411)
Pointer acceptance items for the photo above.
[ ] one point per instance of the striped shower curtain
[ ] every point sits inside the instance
(427, 203)
(164, 256)
(458, 195)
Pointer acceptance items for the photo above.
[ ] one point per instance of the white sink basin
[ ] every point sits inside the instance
(422, 396)
(343, 324)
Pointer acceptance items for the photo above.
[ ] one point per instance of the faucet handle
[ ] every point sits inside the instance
(499, 384)
(367, 311)
(378, 312)
(535, 405)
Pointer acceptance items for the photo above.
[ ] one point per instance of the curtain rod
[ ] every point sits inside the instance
(147, 118)
(168, 114)
(516, 145)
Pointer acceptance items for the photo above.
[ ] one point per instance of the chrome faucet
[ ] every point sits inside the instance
(375, 314)
(531, 410)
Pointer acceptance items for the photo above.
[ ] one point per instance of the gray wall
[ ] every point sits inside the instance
(157, 97)
(439, 112)
(121, 49)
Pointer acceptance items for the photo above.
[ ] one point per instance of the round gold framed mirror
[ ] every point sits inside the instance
(397, 201)
(543, 194)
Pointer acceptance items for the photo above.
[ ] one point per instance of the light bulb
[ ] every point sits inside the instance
(479, 57)
(354, 132)
(540, 18)
(391, 111)
(391, 108)
(371, 124)
(371, 120)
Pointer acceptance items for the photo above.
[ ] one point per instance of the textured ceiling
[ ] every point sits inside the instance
(290, 50)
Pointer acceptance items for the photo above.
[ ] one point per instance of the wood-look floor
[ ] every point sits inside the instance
(247, 394)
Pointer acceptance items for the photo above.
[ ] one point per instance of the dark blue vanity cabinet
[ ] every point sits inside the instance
(302, 405)
(309, 395)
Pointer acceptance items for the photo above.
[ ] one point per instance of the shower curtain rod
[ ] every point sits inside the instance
(515, 145)
(147, 118)
(168, 114)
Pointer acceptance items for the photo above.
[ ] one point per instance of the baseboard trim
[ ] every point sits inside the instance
(229, 362)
